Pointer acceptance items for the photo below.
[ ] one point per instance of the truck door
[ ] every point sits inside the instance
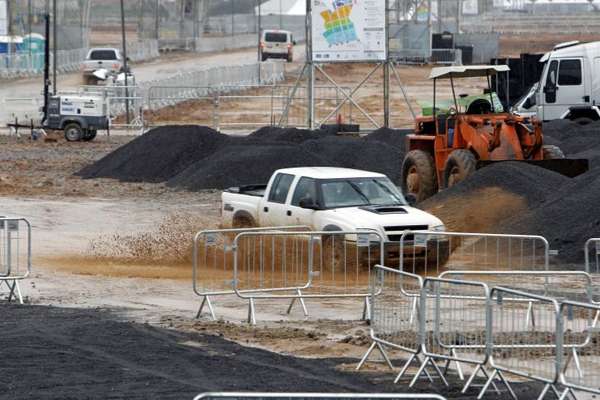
(564, 87)
(273, 211)
(305, 196)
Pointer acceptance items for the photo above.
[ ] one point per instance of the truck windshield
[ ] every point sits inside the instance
(355, 192)
(103, 55)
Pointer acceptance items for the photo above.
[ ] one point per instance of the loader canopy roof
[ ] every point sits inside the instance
(467, 72)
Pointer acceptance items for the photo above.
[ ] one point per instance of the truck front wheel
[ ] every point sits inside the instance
(459, 166)
(418, 175)
(73, 132)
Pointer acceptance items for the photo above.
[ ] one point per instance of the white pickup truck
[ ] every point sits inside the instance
(327, 199)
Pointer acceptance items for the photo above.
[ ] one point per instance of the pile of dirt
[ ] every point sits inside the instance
(157, 155)
(243, 163)
(196, 158)
(519, 198)
(576, 141)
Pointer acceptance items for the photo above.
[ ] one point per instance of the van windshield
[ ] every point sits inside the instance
(276, 37)
(353, 192)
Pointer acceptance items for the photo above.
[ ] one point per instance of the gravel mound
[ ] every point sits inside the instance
(533, 184)
(568, 218)
(293, 135)
(243, 163)
(157, 155)
(196, 158)
(359, 153)
(575, 141)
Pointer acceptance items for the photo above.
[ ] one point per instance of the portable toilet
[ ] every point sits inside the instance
(34, 43)
(10, 44)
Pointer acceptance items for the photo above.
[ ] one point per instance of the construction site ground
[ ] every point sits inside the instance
(97, 326)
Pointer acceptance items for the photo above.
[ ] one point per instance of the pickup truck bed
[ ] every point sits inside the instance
(249, 190)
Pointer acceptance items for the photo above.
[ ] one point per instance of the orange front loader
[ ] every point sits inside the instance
(447, 147)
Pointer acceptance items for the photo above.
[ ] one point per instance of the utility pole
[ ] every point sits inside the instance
(232, 17)
(54, 45)
(123, 38)
(157, 20)
(258, 29)
(280, 16)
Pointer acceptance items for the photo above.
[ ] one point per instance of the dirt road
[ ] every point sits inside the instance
(166, 66)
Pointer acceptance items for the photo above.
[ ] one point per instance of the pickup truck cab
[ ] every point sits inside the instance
(327, 199)
(108, 59)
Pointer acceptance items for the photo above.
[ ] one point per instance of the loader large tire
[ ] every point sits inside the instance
(552, 152)
(418, 175)
(459, 166)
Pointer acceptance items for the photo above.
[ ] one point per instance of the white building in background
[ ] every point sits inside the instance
(285, 7)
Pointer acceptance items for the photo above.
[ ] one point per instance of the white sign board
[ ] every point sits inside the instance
(348, 30)
(3, 18)
(470, 7)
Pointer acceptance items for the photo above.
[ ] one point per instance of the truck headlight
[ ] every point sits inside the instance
(438, 228)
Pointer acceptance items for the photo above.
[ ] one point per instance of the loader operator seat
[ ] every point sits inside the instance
(480, 107)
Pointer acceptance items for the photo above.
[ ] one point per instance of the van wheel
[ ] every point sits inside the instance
(264, 57)
(73, 132)
(459, 166)
(290, 58)
(418, 175)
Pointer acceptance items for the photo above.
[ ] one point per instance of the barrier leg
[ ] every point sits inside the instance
(366, 315)
(487, 385)
(206, 301)
(14, 291)
(459, 371)
(471, 379)
(405, 367)
(544, 391)
(505, 381)
(251, 312)
(302, 304)
(379, 347)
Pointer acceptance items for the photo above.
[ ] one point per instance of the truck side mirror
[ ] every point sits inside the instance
(308, 203)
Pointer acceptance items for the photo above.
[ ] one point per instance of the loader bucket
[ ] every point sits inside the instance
(564, 166)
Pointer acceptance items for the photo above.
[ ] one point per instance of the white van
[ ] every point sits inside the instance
(570, 85)
(277, 44)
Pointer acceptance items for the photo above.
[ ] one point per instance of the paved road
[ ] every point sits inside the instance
(167, 65)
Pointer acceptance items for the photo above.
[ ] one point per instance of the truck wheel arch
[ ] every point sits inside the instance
(80, 121)
(332, 228)
(243, 219)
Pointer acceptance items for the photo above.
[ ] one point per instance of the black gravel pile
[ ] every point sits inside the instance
(575, 141)
(534, 184)
(158, 155)
(243, 163)
(360, 153)
(196, 158)
(293, 135)
(569, 216)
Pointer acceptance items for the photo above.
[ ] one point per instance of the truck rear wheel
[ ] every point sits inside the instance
(243, 221)
(552, 152)
(418, 175)
(459, 166)
(73, 132)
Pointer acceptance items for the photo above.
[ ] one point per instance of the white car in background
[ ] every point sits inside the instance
(330, 199)
(277, 44)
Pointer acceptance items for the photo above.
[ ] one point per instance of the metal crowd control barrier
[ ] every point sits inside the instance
(212, 262)
(394, 315)
(304, 265)
(15, 254)
(317, 396)
(519, 348)
(579, 353)
(592, 256)
(454, 318)
(571, 285)
(432, 252)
